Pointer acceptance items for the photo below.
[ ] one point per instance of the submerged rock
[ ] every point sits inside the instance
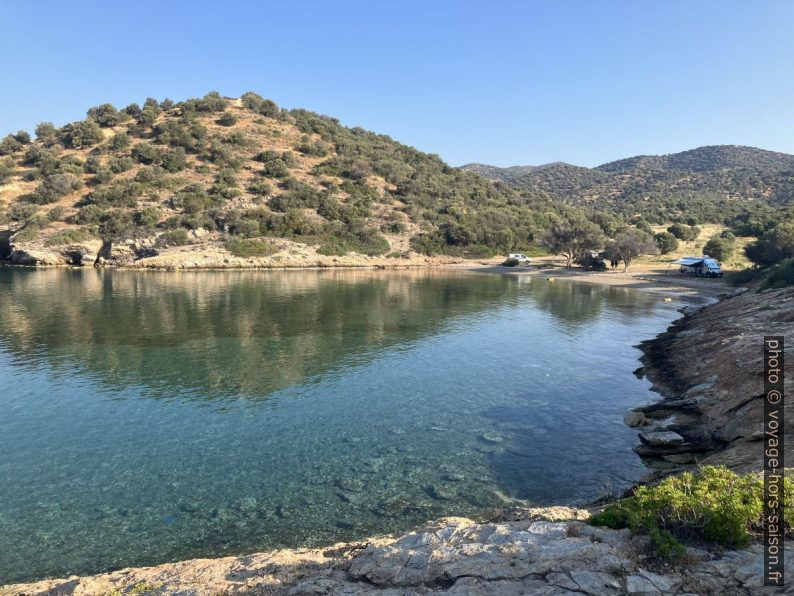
(635, 418)
(662, 438)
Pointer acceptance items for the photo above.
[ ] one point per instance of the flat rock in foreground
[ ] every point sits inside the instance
(450, 556)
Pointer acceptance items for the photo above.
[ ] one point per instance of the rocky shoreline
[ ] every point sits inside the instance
(530, 552)
(707, 367)
(203, 253)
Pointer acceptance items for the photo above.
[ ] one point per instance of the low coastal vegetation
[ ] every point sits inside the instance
(250, 247)
(712, 504)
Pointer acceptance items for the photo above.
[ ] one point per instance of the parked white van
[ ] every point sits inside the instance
(521, 258)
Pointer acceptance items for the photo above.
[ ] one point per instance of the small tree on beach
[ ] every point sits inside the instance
(573, 236)
(629, 245)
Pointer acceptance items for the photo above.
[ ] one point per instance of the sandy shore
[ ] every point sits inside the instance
(645, 278)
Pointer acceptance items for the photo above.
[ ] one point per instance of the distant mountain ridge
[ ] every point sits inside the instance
(508, 173)
(711, 176)
(705, 159)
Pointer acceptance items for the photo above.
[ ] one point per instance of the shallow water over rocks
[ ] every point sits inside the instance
(152, 416)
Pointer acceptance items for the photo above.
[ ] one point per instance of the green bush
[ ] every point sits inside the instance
(313, 148)
(174, 160)
(117, 165)
(479, 251)
(69, 237)
(355, 239)
(147, 217)
(189, 135)
(250, 247)
(14, 142)
(56, 213)
(720, 247)
(745, 276)
(31, 229)
(227, 119)
(276, 165)
(80, 134)
(150, 175)
(55, 186)
(9, 145)
(119, 141)
(173, 238)
(92, 164)
(260, 188)
(666, 242)
(146, 153)
(88, 214)
(21, 211)
(102, 176)
(211, 102)
(714, 504)
(191, 200)
(115, 225)
(7, 169)
(683, 231)
(133, 110)
(106, 115)
(122, 193)
(780, 276)
(393, 227)
(258, 104)
(774, 245)
(46, 133)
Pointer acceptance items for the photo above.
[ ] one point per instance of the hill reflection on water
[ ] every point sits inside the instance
(157, 416)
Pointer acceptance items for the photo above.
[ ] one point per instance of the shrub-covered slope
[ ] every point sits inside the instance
(709, 183)
(232, 175)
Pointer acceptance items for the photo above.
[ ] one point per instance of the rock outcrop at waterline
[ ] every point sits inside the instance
(145, 254)
(708, 366)
(533, 555)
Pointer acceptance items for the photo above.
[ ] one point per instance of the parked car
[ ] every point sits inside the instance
(521, 258)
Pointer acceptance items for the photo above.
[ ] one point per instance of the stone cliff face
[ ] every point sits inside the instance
(709, 369)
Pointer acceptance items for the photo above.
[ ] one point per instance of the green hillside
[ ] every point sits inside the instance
(233, 173)
(708, 183)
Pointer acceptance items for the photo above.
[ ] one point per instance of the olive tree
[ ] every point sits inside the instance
(47, 133)
(107, 115)
(571, 237)
(80, 134)
(629, 245)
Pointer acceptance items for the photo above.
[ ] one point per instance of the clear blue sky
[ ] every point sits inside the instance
(496, 82)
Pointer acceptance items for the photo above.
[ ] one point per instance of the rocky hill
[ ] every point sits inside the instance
(241, 182)
(708, 182)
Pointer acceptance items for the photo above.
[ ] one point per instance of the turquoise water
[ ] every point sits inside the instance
(149, 417)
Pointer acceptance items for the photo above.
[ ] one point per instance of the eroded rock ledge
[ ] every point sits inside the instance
(525, 554)
(708, 366)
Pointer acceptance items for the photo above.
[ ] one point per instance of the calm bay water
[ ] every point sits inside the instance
(148, 417)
